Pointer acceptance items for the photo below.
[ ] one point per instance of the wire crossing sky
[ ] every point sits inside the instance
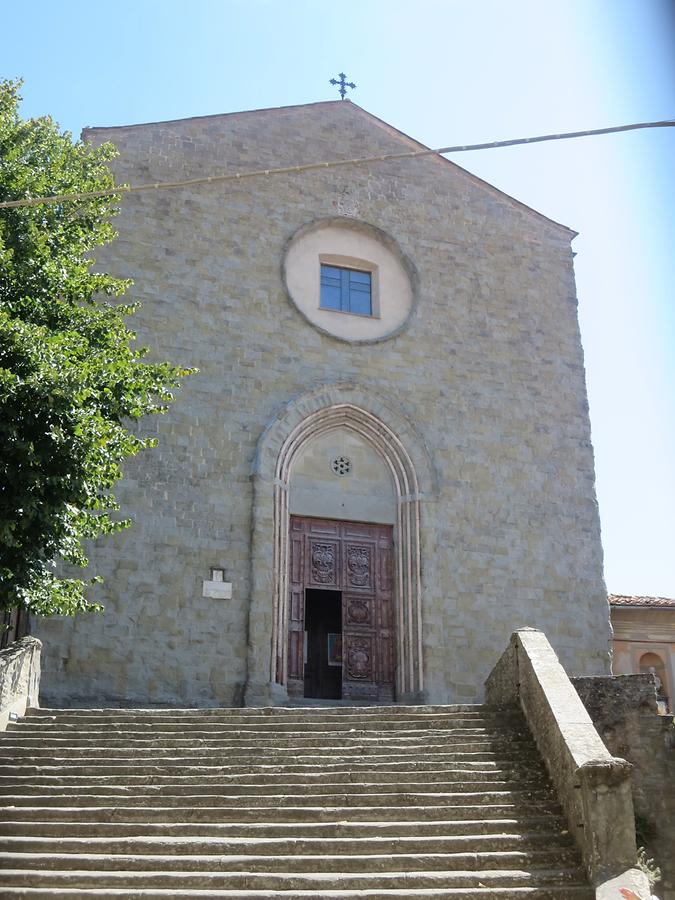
(448, 72)
(326, 164)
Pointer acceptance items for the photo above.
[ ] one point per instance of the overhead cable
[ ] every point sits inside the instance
(331, 164)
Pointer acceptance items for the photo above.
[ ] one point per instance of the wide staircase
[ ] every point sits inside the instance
(375, 802)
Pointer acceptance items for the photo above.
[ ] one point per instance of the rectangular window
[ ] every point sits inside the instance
(347, 290)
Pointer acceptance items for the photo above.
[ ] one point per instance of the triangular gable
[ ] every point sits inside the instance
(371, 119)
(441, 160)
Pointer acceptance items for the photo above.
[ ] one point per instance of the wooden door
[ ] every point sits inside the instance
(357, 560)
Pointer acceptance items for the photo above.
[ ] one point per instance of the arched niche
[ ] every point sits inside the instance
(652, 664)
(287, 440)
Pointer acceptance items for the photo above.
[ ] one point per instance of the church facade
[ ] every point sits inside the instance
(383, 466)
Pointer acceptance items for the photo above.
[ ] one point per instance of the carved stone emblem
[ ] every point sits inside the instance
(359, 664)
(358, 565)
(323, 563)
(358, 611)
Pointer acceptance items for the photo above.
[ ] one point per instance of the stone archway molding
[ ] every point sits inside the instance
(393, 437)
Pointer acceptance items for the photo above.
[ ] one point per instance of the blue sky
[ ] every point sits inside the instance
(456, 71)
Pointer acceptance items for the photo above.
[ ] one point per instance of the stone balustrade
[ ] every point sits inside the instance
(593, 786)
(19, 678)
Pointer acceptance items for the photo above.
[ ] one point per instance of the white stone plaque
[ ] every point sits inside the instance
(219, 590)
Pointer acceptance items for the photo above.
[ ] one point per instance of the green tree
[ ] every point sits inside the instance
(71, 380)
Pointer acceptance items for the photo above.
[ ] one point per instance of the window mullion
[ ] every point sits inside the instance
(344, 290)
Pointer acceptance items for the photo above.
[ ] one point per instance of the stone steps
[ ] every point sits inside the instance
(207, 755)
(317, 713)
(247, 724)
(327, 743)
(274, 813)
(476, 799)
(541, 892)
(240, 720)
(362, 828)
(401, 862)
(316, 802)
(388, 772)
(259, 758)
(323, 796)
(384, 767)
(299, 842)
(457, 779)
(266, 782)
(281, 786)
(428, 740)
(292, 881)
(347, 750)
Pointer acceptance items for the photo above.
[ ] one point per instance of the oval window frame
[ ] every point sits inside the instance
(397, 265)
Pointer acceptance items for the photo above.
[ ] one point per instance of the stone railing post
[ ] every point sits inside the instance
(593, 786)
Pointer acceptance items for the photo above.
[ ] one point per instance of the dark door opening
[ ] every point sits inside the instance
(323, 648)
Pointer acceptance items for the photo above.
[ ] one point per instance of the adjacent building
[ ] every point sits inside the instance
(644, 641)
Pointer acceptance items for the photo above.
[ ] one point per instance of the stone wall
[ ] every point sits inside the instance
(488, 369)
(623, 710)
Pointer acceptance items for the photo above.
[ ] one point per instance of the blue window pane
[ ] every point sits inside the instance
(330, 272)
(359, 302)
(331, 287)
(359, 293)
(361, 277)
(331, 297)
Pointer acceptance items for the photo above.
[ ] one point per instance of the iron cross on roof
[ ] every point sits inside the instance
(344, 84)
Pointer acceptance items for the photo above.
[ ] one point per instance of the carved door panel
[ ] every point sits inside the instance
(359, 649)
(359, 644)
(367, 638)
(323, 562)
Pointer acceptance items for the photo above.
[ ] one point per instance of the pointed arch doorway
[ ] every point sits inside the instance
(398, 448)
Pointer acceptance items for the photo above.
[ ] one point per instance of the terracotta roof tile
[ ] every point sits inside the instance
(653, 602)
